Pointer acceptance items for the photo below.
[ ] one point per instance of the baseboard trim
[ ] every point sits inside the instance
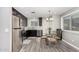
(71, 45)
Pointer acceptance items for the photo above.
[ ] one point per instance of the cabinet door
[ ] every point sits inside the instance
(40, 21)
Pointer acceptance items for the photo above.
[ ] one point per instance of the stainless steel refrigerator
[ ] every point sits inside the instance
(16, 34)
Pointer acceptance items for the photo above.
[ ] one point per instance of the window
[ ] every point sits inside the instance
(71, 22)
(66, 23)
(75, 22)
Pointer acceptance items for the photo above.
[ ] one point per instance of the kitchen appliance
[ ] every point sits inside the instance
(16, 34)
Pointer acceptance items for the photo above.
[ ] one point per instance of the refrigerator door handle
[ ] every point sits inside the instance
(16, 28)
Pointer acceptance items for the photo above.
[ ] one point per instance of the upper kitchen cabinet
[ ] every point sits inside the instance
(24, 21)
(40, 21)
(22, 18)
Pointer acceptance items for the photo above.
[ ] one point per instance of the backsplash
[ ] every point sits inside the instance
(33, 28)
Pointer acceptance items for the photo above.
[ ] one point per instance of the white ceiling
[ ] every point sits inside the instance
(41, 11)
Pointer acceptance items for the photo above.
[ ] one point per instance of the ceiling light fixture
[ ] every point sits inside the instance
(49, 18)
(33, 14)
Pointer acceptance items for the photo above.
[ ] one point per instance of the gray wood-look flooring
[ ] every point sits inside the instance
(38, 45)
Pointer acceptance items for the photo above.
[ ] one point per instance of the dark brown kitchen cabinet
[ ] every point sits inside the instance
(40, 21)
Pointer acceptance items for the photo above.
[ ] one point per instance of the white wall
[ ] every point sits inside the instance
(71, 37)
(55, 24)
(5, 29)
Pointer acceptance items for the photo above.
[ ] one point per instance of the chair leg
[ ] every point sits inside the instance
(46, 41)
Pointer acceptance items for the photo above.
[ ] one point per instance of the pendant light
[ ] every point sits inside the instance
(50, 17)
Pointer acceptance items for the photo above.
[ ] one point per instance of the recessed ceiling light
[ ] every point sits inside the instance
(33, 12)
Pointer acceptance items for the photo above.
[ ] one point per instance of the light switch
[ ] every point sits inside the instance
(72, 40)
(6, 30)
